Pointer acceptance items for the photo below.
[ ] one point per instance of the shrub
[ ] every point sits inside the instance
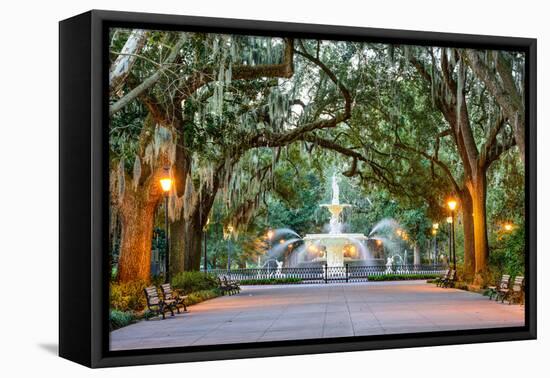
(202, 295)
(128, 296)
(119, 319)
(270, 281)
(189, 282)
(402, 277)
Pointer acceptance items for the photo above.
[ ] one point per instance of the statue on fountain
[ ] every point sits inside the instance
(389, 265)
(335, 191)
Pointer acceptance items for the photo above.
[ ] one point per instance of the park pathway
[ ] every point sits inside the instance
(268, 313)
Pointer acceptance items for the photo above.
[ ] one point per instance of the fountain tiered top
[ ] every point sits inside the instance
(335, 208)
(335, 241)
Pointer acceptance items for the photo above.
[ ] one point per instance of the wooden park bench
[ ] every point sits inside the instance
(155, 304)
(504, 283)
(440, 279)
(224, 288)
(170, 295)
(232, 285)
(450, 280)
(515, 291)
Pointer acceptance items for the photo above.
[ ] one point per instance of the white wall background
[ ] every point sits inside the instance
(29, 188)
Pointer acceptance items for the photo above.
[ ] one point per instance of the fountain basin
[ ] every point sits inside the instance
(330, 247)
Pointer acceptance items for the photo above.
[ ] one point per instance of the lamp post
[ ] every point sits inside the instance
(229, 231)
(166, 185)
(449, 221)
(452, 206)
(205, 234)
(435, 228)
(269, 236)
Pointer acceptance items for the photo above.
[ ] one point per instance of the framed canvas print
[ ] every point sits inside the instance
(233, 188)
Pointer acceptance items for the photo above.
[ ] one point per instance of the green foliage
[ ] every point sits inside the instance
(119, 319)
(190, 282)
(202, 295)
(508, 254)
(403, 277)
(271, 281)
(395, 126)
(128, 296)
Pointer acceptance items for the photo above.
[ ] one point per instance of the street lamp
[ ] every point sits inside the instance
(166, 185)
(205, 234)
(449, 221)
(229, 231)
(435, 230)
(452, 206)
(508, 227)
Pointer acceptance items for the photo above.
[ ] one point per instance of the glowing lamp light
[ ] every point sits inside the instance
(166, 181)
(378, 242)
(282, 241)
(449, 220)
(452, 204)
(435, 226)
(166, 184)
(270, 234)
(508, 226)
(434, 232)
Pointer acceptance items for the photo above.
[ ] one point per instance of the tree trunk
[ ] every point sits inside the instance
(192, 244)
(479, 192)
(177, 246)
(186, 241)
(416, 256)
(137, 218)
(178, 233)
(468, 227)
(137, 204)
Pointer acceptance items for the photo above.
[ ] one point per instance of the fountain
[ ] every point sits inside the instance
(336, 248)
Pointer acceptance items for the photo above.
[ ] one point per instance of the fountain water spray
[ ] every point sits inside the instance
(335, 242)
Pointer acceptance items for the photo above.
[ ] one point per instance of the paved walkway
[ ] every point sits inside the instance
(266, 313)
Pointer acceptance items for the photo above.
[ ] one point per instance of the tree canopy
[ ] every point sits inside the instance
(250, 128)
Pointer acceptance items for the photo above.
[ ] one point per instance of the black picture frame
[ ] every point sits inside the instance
(84, 199)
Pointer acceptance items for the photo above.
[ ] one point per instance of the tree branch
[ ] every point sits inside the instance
(330, 74)
(127, 57)
(150, 81)
(242, 72)
(438, 162)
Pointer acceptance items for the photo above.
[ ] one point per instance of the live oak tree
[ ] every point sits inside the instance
(503, 74)
(471, 126)
(162, 143)
(233, 118)
(481, 133)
